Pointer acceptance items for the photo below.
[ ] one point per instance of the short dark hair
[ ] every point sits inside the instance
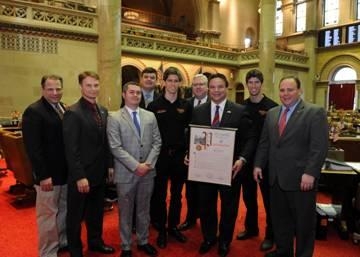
(51, 76)
(220, 76)
(254, 74)
(296, 79)
(149, 70)
(127, 84)
(172, 71)
(85, 74)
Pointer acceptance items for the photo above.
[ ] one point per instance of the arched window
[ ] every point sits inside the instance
(331, 12)
(342, 89)
(279, 19)
(344, 73)
(300, 15)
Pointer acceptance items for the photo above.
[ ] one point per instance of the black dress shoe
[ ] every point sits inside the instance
(62, 249)
(175, 233)
(223, 250)
(271, 254)
(162, 240)
(267, 244)
(186, 225)
(206, 246)
(126, 253)
(246, 235)
(148, 249)
(103, 248)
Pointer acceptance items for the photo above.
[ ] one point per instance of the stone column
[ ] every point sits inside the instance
(310, 43)
(214, 14)
(109, 53)
(267, 45)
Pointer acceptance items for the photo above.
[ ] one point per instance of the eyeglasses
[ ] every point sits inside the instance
(199, 84)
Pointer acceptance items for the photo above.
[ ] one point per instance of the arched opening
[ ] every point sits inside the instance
(342, 89)
(130, 73)
(239, 92)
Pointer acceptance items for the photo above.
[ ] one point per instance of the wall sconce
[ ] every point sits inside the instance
(247, 42)
(131, 15)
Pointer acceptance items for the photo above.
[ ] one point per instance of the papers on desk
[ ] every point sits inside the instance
(329, 210)
(332, 164)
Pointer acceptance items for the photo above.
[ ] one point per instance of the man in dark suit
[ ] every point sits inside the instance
(294, 141)
(88, 159)
(220, 112)
(257, 105)
(200, 96)
(148, 86)
(43, 139)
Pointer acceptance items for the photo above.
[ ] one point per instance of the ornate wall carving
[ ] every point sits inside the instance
(25, 43)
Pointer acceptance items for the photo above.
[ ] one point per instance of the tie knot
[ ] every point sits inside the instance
(217, 108)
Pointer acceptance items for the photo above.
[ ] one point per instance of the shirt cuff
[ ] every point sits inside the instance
(242, 159)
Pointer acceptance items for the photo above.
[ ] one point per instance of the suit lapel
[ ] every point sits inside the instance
(126, 116)
(226, 115)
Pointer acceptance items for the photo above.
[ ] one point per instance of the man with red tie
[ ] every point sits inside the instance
(294, 141)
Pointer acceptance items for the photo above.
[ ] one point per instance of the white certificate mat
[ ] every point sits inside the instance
(211, 154)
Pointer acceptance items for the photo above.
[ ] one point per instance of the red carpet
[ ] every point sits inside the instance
(18, 234)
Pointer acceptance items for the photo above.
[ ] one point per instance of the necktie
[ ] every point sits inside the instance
(136, 122)
(198, 103)
(216, 120)
(282, 121)
(59, 111)
(96, 116)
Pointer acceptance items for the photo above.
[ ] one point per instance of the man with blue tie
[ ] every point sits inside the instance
(135, 143)
(294, 143)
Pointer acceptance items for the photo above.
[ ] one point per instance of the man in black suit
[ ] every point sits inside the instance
(88, 159)
(43, 139)
(220, 112)
(200, 96)
(294, 143)
(148, 86)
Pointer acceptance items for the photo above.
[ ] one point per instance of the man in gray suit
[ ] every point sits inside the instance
(135, 143)
(295, 141)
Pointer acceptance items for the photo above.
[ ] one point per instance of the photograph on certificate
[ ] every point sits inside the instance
(211, 154)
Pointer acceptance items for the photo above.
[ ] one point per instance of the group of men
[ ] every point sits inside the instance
(143, 146)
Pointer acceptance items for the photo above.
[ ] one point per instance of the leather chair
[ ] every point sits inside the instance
(17, 161)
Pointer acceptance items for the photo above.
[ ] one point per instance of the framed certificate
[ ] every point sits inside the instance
(211, 154)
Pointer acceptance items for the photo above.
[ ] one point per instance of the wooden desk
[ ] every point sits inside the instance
(351, 147)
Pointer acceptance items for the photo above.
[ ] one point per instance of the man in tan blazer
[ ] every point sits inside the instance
(135, 142)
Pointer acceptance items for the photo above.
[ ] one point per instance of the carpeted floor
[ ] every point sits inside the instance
(18, 234)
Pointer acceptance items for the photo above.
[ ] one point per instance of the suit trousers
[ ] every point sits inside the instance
(129, 194)
(90, 207)
(293, 214)
(249, 189)
(208, 199)
(169, 167)
(50, 217)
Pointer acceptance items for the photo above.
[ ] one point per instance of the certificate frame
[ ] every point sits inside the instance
(211, 152)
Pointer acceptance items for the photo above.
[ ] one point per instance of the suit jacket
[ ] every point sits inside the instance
(43, 139)
(234, 116)
(128, 148)
(86, 145)
(191, 101)
(302, 148)
(142, 101)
